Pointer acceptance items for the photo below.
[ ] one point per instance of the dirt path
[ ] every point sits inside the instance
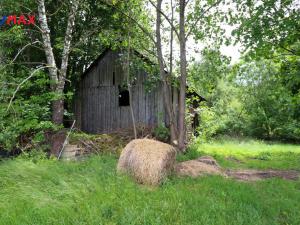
(253, 175)
(208, 165)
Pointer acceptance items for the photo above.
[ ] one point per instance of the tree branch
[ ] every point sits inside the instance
(24, 81)
(67, 44)
(171, 38)
(201, 15)
(22, 49)
(187, 2)
(134, 20)
(139, 25)
(166, 17)
(292, 51)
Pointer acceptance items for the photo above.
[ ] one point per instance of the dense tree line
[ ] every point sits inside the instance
(257, 98)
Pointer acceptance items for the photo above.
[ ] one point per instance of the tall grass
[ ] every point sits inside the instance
(90, 192)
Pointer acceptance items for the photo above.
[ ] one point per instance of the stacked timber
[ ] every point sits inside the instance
(71, 152)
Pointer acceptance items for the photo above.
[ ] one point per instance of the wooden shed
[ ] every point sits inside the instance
(102, 105)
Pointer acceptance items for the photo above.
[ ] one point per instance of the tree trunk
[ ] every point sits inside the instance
(183, 73)
(129, 89)
(173, 91)
(58, 111)
(57, 79)
(67, 45)
(57, 82)
(166, 88)
(47, 44)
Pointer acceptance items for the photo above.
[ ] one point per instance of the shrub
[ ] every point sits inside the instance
(162, 133)
(23, 124)
(210, 123)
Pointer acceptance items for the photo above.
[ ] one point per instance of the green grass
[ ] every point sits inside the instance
(90, 192)
(235, 153)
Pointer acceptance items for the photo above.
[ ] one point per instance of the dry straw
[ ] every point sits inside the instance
(148, 161)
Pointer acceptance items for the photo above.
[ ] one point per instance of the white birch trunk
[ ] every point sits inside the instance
(47, 44)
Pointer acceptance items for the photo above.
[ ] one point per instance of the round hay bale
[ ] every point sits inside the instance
(148, 161)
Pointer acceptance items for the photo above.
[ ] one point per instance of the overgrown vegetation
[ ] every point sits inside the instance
(99, 144)
(257, 96)
(259, 99)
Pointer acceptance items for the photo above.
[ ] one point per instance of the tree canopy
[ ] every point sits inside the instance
(258, 96)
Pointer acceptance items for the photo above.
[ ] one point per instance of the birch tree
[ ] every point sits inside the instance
(57, 75)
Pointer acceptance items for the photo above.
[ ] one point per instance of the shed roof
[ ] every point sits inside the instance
(102, 55)
(146, 59)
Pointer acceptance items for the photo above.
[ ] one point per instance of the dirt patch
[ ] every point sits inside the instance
(233, 159)
(208, 165)
(253, 175)
(201, 166)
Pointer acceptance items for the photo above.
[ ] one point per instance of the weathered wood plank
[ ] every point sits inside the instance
(99, 108)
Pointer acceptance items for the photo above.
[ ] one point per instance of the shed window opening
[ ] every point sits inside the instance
(114, 78)
(123, 97)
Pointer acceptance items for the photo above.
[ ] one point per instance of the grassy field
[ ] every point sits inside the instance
(234, 153)
(90, 192)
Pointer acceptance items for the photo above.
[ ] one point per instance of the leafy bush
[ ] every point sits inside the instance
(210, 123)
(162, 133)
(23, 124)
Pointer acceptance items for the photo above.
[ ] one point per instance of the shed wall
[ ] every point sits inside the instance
(97, 107)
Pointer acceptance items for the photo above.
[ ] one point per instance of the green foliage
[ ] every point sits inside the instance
(204, 19)
(142, 63)
(270, 111)
(162, 133)
(123, 19)
(256, 98)
(35, 156)
(205, 75)
(24, 101)
(265, 26)
(23, 124)
(210, 123)
(29, 116)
